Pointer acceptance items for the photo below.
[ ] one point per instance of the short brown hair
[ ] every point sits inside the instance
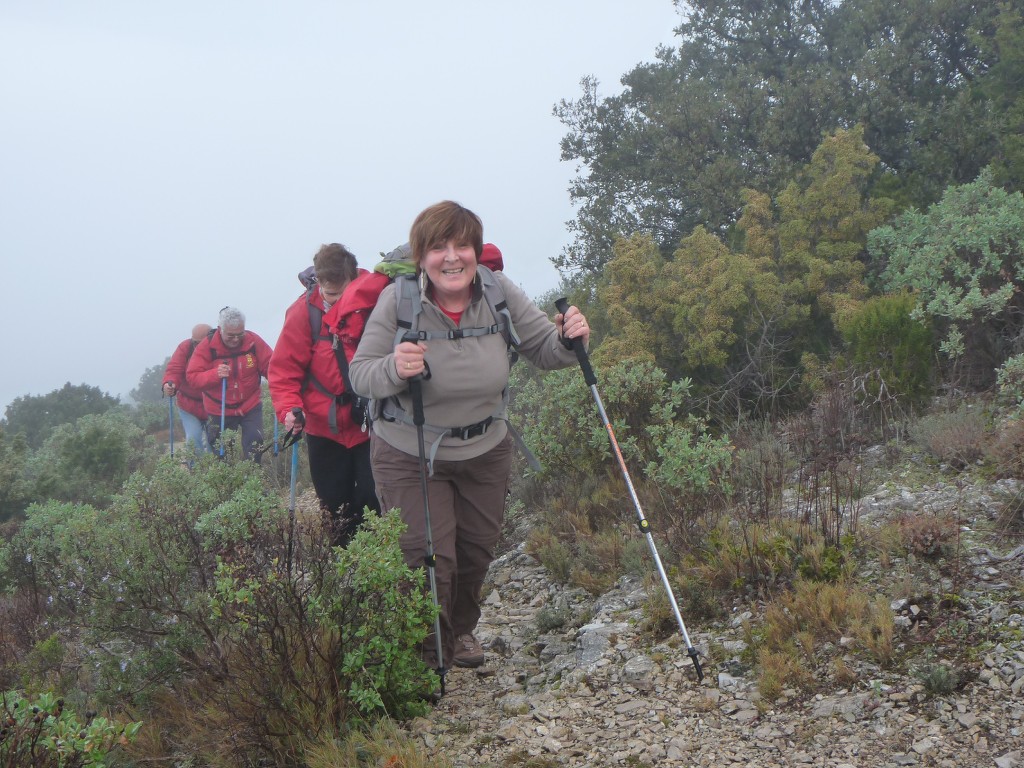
(334, 263)
(444, 221)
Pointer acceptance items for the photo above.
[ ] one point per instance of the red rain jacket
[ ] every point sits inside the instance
(248, 362)
(190, 399)
(304, 373)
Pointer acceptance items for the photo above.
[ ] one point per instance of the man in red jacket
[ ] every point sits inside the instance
(305, 375)
(190, 400)
(241, 358)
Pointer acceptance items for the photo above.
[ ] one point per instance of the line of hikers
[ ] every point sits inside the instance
(433, 329)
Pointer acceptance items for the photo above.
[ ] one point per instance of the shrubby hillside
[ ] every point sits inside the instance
(800, 244)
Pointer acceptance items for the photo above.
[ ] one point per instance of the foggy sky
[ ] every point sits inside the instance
(158, 162)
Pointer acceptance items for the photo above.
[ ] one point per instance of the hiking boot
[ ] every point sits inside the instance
(468, 651)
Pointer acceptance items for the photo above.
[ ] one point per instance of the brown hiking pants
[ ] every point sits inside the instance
(467, 507)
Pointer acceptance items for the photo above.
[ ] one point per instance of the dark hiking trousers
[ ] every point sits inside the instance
(343, 483)
(250, 425)
(467, 507)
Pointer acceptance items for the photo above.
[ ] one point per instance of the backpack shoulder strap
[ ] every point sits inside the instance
(407, 301)
(316, 318)
(494, 295)
(191, 348)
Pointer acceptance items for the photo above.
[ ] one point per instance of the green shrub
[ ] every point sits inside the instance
(553, 553)
(41, 732)
(552, 617)
(89, 460)
(150, 416)
(37, 416)
(962, 258)
(938, 679)
(883, 338)
(698, 598)
(677, 468)
(200, 600)
(1010, 381)
(648, 416)
(324, 637)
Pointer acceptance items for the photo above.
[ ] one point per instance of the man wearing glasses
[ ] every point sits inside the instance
(228, 366)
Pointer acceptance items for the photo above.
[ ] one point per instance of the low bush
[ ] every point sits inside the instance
(1006, 452)
(199, 601)
(678, 470)
(938, 679)
(813, 612)
(41, 732)
(955, 437)
(928, 535)
(89, 460)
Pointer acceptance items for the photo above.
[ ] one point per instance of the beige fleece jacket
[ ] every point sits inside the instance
(467, 376)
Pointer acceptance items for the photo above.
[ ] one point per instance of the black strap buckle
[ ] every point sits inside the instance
(473, 430)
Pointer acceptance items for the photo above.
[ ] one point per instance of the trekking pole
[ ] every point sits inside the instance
(170, 421)
(416, 390)
(275, 437)
(223, 409)
(588, 375)
(300, 419)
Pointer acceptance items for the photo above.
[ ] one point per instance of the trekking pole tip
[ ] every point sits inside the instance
(692, 653)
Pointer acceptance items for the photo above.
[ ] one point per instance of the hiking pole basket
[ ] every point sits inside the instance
(562, 305)
(416, 391)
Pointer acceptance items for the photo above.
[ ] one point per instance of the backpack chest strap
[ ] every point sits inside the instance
(451, 334)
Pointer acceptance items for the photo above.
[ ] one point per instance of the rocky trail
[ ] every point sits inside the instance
(600, 694)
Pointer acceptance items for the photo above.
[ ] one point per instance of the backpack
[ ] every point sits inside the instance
(308, 279)
(348, 322)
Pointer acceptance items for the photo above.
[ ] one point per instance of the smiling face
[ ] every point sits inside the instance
(451, 267)
(446, 241)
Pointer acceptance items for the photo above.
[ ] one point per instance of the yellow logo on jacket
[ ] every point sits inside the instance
(250, 362)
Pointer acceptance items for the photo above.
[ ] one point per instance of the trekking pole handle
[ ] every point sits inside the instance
(562, 305)
(300, 417)
(416, 385)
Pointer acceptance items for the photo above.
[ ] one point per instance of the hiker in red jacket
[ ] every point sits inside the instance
(305, 374)
(240, 358)
(190, 400)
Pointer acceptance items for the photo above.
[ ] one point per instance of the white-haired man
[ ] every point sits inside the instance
(240, 358)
